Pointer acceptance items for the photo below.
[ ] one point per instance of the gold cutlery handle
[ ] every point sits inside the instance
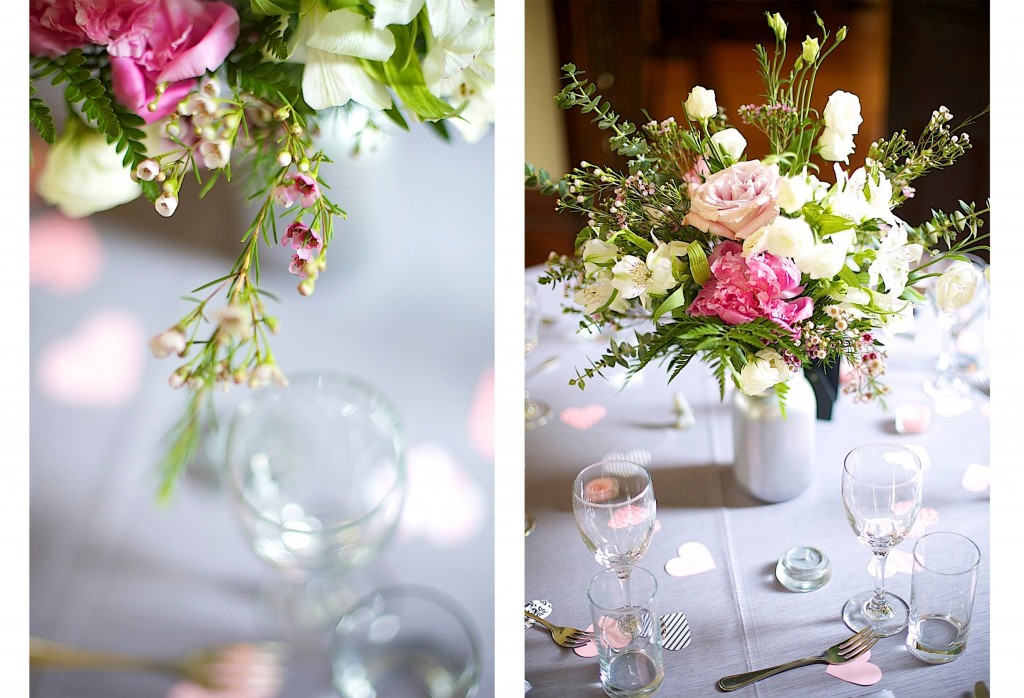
(46, 654)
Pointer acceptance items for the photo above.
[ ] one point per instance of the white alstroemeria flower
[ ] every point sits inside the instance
(84, 174)
(893, 260)
(448, 18)
(597, 253)
(860, 196)
(823, 260)
(763, 371)
(477, 116)
(460, 69)
(900, 317)
(636, 278)
(595, 294)
(728, 141)
(329, 43)
(855, 295)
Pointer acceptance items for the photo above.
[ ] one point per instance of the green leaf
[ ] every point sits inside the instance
(676, 300)
(636, 240)
(699, 269)
(274, 7)
(395, 114)
(405, 76)
(40, 117)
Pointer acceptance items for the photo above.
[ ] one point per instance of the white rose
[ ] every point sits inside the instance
(793, 193)
(956, 287)
(788, 237)
(835, 146)
(701, 104)
(842, 113)
(84, 174)
(762, 372)
(730, 141)
(825, 259)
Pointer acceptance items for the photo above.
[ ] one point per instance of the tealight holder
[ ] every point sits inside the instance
(803, 568)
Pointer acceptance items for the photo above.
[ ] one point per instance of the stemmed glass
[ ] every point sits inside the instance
(317, 476)
(948, 386)
(613, 502)
(882, 496)
(537, 413)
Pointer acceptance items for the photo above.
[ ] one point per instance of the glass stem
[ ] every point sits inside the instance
(627, 591)
(877, 605)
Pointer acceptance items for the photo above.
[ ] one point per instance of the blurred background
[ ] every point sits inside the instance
(903, 58)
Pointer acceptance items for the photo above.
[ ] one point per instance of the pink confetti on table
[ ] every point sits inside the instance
(590, 648)
(583, 418)
(628, 516)
(99, 365)
(860, 671)
(692, 558)
(913, 418)
(926, 518)
(65, 254)
(433, 475)
(481, 416)
(897, 562)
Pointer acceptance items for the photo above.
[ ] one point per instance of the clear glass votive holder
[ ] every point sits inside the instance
(803, 568)
(942, 586)
(627, 632)
(406, 640)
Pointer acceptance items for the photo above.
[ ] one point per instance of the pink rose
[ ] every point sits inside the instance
(735, 202)
(162, 41)
(744, 288)
(52, 30)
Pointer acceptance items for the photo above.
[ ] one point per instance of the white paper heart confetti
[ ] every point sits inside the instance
(693, 558)
(538, 607)
(976, 478)
(640, 456)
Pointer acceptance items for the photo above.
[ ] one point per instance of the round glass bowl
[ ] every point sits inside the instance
(803, 568)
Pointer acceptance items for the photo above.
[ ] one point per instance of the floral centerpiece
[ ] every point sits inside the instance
(758, 266)
(167, 96)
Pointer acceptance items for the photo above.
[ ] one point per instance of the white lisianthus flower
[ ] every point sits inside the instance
(596, 293)
(330, 44)
(700, 104)
(448, 18)
(824, 259)
(893, 259)
(765, 370)
(956, 287)
(730, 141)
(84, 174)
(842, 113)
(835, 146)
(754, 243)
(597, 253)
(635, 278)
(788, 237)
(794, 192)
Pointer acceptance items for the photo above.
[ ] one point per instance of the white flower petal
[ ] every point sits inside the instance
(324, 81)
(387, 12)
(449, 17)
(348, 33)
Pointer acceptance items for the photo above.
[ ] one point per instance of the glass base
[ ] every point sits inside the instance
(951, 394)
(537, 414)
(857, 616)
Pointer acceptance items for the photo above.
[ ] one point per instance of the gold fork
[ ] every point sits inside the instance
(256, 669)
(566, 637)
(848, 649)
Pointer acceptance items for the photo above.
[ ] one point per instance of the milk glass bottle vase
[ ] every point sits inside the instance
(774, 452)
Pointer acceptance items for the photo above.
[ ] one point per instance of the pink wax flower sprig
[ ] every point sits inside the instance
(750, 262)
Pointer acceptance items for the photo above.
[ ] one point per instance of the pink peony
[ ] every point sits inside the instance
(744, 288)
(52, 30)
(735, 202)
(306, 242)
(160, 41)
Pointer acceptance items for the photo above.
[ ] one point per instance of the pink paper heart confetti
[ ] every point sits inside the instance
(976, 478)
(628, 516)
(926, 518)
(860, 671)
(693, 558)
(481, 416)
(65, 254)
(583, 418)
(589, 649)
(433, 475)
(896, 562)
(99, 365)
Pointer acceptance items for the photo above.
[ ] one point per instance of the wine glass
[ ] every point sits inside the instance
(613, 502)
(537, 413)
(948, 387)
(882, 496)
(317, 476)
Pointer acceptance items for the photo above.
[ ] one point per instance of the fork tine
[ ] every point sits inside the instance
(856, 639)
(862, 645)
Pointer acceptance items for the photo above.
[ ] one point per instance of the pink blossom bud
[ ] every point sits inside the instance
(147, 170)
(177, 379)
(172, 341)
(284, 158)
(166, 205)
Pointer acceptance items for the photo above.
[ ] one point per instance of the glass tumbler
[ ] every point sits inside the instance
(409, 641)
(627, 632)
(942, 596)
